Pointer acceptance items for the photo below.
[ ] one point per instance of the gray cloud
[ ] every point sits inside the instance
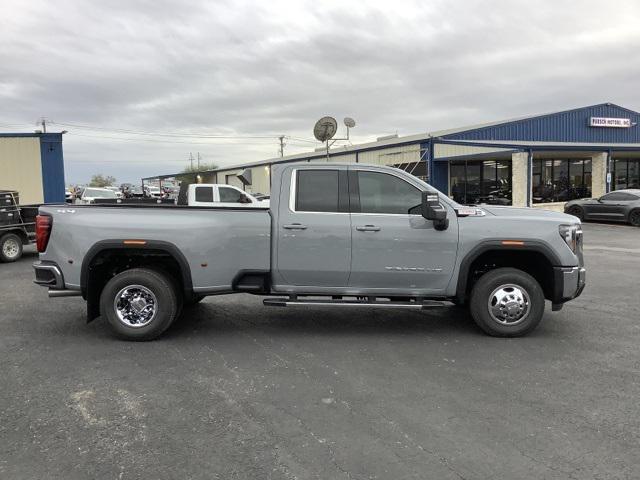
(274, 67)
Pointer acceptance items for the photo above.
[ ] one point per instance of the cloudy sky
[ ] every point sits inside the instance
(179, 71)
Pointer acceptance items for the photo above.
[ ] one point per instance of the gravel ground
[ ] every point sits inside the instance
(235, 390)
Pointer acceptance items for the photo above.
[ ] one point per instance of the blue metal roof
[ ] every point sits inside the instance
(569, 126)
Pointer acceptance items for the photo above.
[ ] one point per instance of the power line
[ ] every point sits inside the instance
(108, 137)
(302, 139)
(160, 134)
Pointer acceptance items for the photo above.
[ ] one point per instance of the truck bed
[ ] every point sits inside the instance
(216, 243)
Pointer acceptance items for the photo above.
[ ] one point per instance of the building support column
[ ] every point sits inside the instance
(519, 179)
(599, 174)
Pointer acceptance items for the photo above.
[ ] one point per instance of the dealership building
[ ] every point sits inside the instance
(537, 160)
(32, 164)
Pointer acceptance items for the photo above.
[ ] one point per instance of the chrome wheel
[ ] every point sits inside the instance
(135, 306)
(11, 248)
(509, 304)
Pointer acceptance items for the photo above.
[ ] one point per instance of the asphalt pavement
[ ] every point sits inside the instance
(235, 390)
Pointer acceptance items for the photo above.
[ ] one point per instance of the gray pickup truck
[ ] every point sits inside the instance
(334, 235)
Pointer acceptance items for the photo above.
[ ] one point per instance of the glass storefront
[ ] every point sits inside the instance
(481, 181)
(626, 173)
(561, 180)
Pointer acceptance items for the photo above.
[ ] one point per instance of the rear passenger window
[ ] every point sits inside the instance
(317, 191)
(204, 194)
(383, 193)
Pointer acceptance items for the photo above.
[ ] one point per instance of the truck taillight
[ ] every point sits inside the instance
(43, 231)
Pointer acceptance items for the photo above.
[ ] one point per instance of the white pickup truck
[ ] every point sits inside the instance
(220, 195)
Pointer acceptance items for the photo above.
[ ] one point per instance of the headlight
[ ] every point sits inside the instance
(572, 235)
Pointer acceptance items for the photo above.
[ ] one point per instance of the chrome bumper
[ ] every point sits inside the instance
(569, 283)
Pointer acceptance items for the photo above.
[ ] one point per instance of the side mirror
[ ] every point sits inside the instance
(433, 210)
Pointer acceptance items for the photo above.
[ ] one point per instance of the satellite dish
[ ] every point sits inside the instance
(349, 122)
(325, 129)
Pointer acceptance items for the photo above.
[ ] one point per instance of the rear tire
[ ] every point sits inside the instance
(507, 302)
(576, 212)
(139, 304)
(634, 218)
(10, 248)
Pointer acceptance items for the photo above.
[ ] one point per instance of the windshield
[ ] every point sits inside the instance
(98, 193)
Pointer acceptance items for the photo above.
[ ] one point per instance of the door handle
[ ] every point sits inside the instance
(295, 226)
(368, 228)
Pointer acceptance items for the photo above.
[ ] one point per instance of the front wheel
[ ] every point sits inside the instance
(140, 304)
(10, 247)
(634, 218)
(507, 302)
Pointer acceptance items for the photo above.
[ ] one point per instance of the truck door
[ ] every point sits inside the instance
(391, 249)
(314, 228)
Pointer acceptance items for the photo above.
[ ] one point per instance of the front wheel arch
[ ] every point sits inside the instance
(536, 258)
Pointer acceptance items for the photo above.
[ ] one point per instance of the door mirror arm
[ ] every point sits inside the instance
(431, 209)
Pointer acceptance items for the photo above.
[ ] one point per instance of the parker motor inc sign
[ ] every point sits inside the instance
(610, 122)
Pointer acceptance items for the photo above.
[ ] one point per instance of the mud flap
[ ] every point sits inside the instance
(93, 304)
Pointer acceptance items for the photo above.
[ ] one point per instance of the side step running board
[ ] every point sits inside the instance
(286, 302)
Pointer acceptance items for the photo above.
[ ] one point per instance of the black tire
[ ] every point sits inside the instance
(10, 248)
(634, 218)
(483, 293)
(576, 211)
(140, 281)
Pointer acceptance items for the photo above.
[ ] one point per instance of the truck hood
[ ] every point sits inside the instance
(529, 213)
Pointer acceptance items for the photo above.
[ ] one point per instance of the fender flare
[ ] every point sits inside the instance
(118, 244)
(529, 245)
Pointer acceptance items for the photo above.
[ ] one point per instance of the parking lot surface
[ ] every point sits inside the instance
(235, 390)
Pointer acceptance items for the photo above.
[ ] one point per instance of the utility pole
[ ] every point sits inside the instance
(44, 125)
(198, 161)
(281, 137)
(191, 160)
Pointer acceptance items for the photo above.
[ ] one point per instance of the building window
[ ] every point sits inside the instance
(561, 180)
(483, 181)
(626, 174)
